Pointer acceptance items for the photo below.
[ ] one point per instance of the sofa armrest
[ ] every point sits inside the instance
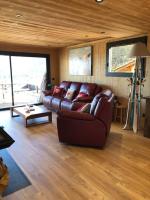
(48, 92)
(84, 99)
(76, 115)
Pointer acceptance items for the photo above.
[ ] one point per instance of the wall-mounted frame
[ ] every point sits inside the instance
(118, 63)
(80, 61)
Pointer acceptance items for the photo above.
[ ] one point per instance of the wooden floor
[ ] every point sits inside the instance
(61, 172)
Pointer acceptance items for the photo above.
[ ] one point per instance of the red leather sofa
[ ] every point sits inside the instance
(57, 103)
(87, 129)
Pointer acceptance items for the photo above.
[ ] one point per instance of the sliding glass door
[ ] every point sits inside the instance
(22, 79)
(5, 82)
(28, 74)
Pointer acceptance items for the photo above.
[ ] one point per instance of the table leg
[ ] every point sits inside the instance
(121, 110)
(50, 117)
(26, 123)
(11, 112)
(115, 117)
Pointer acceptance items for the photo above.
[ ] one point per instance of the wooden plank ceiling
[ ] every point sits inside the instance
(59, 23)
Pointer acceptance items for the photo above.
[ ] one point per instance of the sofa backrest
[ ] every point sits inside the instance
(75, 86)
(106, 93)
(88, 88)
(65, 85)
(98, 89)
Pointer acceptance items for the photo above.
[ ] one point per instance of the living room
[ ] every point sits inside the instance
(40, 165)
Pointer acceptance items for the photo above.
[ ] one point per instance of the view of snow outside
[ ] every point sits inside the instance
(119, 56)
(27, 73)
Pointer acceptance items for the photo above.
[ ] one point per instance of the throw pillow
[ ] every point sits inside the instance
(58, 91)
(85, 108)
(82, 94)
(69, 94)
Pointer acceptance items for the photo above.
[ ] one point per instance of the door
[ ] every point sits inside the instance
(23, 76)
(5, 82)
(28, 75)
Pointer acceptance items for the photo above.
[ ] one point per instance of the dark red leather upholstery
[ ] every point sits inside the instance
(106, 93)
(88, 88)
(98, 89)
(75, 86)
(84, 128)
(65, 85)
(102, 111)
(66, 104)
(94, 103)
(47, 101)
(56, 103)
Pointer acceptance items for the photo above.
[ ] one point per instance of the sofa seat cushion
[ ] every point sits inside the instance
(47, 101)
(66, 105)
(55, 103)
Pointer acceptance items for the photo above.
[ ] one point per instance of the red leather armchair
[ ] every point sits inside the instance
(87, 129)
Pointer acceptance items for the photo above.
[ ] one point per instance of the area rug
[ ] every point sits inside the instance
(17, 179)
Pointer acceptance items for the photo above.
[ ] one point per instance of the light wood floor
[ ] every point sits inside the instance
(60, 172)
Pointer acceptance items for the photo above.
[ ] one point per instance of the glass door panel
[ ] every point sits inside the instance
(5, 82)
(28, 74)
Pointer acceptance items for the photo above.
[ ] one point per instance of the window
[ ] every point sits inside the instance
(117, 56)
(22, 78)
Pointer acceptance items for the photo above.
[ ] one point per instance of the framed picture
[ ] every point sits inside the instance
(80, 61)
(118, 61)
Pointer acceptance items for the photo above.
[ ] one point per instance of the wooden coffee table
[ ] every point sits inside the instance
(39, 111)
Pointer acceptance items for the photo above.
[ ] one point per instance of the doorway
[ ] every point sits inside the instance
(22, 78)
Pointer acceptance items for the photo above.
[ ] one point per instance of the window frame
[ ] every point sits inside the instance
(123, 43)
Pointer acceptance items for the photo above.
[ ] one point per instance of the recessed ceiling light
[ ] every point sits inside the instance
(18, 15)
(99, 1)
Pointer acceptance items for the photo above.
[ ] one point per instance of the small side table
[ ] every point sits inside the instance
(120, 112)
